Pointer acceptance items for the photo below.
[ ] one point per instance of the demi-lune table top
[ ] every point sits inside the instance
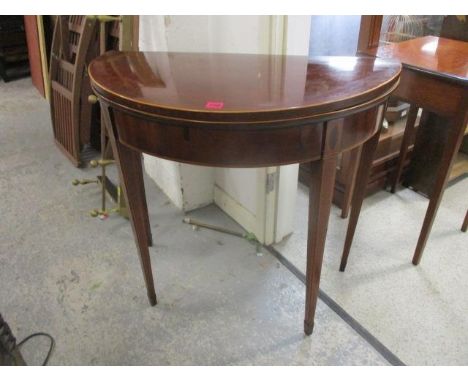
(214, 86)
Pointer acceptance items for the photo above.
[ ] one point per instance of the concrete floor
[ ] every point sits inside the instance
(79, 278)
(418, 313)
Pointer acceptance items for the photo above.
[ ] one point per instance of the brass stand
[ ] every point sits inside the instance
(107, 187)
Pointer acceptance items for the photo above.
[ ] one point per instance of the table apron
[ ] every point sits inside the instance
(430, 92)
(242, 148)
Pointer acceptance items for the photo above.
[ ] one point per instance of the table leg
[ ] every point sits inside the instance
(322, 183)
(465, 223)
(367, 155)
(449, 153)
(107, 151)
(408, 136)
(131, 175)
(351, 172)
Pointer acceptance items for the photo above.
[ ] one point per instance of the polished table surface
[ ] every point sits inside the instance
(436, 55)
(434, 78)
(238, 110)
(243, 87)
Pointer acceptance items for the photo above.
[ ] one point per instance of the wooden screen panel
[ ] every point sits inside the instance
(74, 37)
(63, 123)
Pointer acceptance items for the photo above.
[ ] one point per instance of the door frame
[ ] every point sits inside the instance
(369, 32)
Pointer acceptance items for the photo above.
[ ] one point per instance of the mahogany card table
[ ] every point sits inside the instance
(241, 110)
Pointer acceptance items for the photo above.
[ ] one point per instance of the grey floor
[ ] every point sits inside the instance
(79, 278)
(419, 313)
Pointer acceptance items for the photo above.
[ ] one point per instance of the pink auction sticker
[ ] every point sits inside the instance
(214, 105)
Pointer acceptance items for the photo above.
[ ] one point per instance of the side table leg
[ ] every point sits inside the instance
(405, 143)
(365, 164)
(450, 152)
(322, 183)
(351, 172)
(107, 150)
(131, 175)
(465, 223)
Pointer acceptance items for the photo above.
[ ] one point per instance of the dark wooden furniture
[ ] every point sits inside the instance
(74, 44)
(228, 110)
(434, 77)
(14, 61)
(447, 60)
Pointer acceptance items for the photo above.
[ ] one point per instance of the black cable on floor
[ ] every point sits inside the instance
(51, 348)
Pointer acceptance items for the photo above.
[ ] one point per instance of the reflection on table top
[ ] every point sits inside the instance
(238, 83)
(434, 54)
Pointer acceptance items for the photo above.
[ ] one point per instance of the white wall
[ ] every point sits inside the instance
(240, 192)
(166, 174)
(297, 35)
(188, 187)
(223, 34)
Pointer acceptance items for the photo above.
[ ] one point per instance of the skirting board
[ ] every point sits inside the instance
(236, 211)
